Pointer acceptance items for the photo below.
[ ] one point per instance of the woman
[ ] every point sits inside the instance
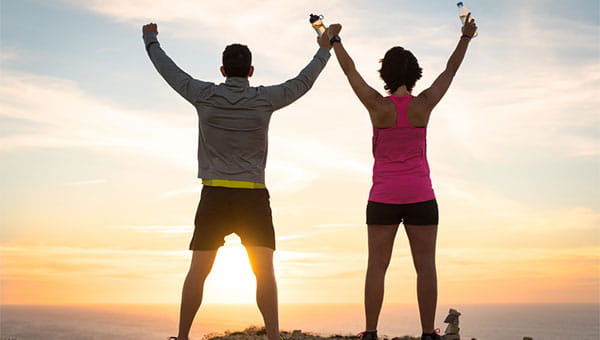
(402, 190)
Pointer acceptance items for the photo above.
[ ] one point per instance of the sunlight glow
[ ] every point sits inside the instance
(231, 279)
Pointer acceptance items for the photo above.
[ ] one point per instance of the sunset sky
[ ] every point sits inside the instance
(98, 154)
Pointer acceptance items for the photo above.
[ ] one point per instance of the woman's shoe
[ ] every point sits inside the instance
(433, 336)
(367, 335)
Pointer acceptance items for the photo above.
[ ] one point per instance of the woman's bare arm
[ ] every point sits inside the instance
(381, 111)
(420, 108)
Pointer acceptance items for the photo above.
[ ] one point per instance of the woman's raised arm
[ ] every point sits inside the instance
(422, 105)
(381, 111)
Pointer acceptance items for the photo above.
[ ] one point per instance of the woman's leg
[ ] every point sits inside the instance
(381, 243)
(422, 240)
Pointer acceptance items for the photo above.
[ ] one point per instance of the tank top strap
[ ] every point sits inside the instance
(402, 109)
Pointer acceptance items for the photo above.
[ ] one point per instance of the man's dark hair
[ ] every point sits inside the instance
(237, 60)
(399, 67)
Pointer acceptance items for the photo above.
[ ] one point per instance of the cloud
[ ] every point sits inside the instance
(533, 113)
(60, 267)
(290, 237)
(341, 225)
(8, 55)
(196, 189)
(61, 115)
(255, 23)
(87, 182)
(30, 263)
(168, 229)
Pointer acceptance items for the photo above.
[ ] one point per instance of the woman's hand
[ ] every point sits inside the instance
(325, 39)
(334, 30)
(469, 28)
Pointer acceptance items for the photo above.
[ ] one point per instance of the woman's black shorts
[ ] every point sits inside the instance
(223, 211)
(422, 213)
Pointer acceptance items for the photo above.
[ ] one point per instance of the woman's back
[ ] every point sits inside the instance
(401, 171)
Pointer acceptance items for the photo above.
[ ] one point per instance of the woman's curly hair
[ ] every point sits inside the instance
(399, 67)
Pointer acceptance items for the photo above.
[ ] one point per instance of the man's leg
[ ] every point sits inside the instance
(422, 240)
(381, 243)
(193, 287)
(261, 260)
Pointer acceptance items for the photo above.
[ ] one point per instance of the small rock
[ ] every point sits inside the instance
(452, 317)
(452, 337)
(452, 329)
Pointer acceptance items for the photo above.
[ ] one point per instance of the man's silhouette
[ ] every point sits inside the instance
(232, 151)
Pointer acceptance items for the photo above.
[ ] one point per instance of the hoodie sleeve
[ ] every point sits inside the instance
(286, 93)
(188, 87)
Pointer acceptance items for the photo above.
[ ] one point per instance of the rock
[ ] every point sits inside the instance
(452, 337)
(452, 329)
(452, 317)
(255, 333)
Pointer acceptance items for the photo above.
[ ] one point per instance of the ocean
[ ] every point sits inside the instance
(141, 322)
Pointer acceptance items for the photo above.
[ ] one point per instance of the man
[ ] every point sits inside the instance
(232, 150)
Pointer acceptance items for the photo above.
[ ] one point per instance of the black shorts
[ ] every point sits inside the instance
(223, 211)
(421, 213)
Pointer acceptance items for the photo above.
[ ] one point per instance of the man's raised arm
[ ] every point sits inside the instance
(286, 93)
(180, 81)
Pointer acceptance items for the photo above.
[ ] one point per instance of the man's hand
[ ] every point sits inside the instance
(325, 39)
(469, 28)
(151, 27)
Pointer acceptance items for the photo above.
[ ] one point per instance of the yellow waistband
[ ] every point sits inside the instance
(227, 183)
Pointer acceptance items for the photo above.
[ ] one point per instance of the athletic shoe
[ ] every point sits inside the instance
(433, 336)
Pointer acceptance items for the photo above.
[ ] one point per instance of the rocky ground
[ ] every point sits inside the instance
(254, 333)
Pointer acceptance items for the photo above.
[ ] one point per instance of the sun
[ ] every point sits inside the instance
(231, 279)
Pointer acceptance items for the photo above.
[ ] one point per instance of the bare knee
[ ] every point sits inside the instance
(378, 265)
(199, 272)
(425, 266)
(202, 262)
(264, 271)
(261, 261)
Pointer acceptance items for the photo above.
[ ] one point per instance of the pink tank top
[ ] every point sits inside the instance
(401, 171)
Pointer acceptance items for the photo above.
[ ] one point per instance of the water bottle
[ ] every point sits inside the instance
(317, 23)
(463, 11)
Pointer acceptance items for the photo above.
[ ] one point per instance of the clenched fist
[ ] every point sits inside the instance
(151, 27)
(469, 28)
(334, 29)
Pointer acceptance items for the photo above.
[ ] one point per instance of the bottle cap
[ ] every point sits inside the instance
(315, 17)
(459, 4)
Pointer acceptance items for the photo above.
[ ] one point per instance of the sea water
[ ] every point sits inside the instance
(484, 322)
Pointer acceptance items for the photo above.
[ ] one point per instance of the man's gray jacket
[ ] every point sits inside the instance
(233, 116)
